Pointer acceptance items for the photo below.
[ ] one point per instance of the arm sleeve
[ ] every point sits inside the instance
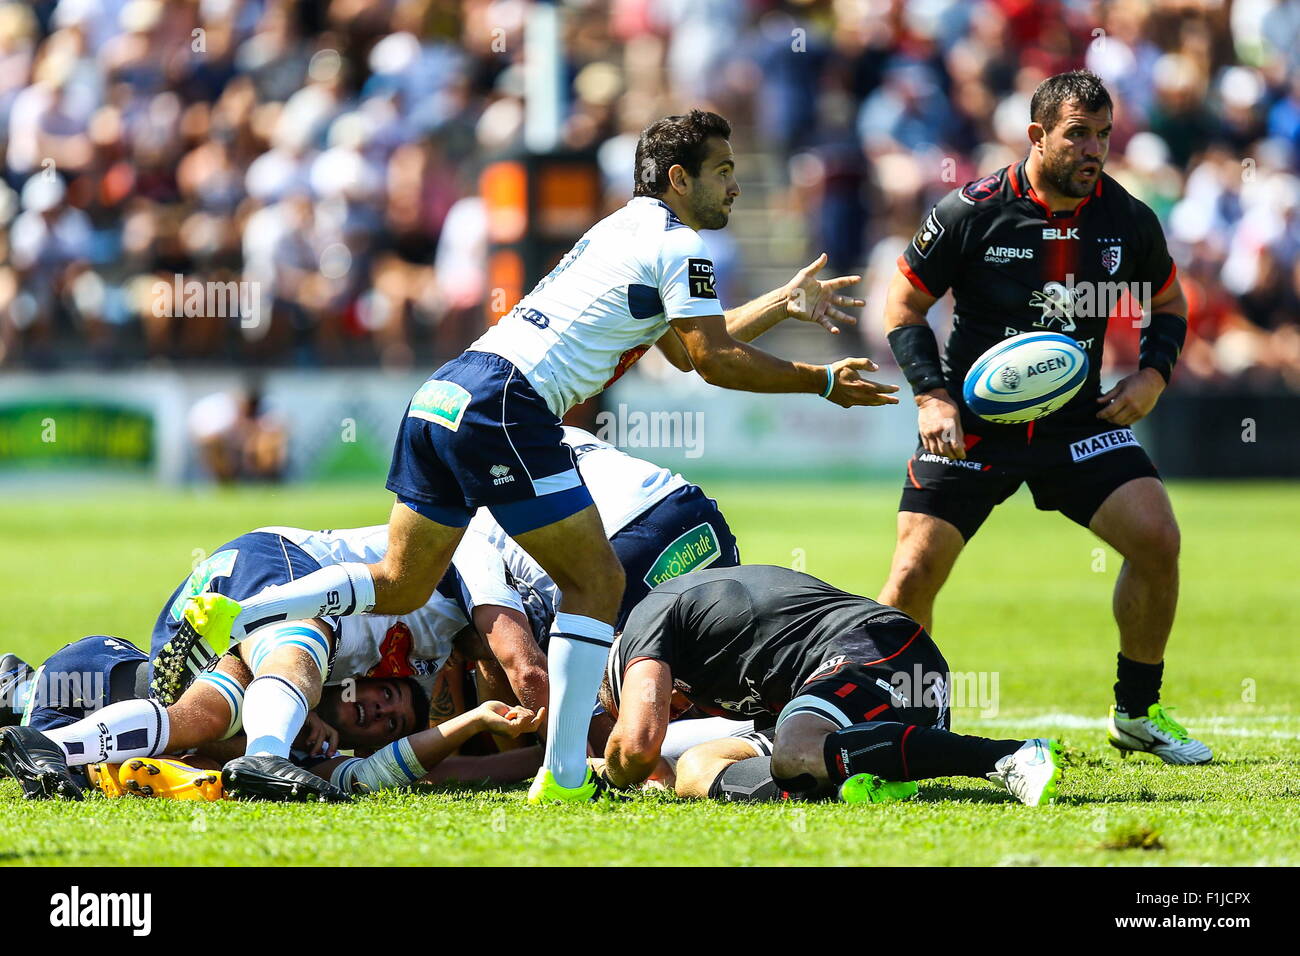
(685, 276)
(1155, 265)
(932, 258)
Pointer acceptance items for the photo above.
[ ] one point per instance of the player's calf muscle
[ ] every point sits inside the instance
(400, 591)
(199, 717)
(798, 748)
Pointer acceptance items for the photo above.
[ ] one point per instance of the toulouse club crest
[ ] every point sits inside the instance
(1110, 259)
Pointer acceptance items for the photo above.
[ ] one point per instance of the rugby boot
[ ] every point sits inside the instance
(866, 788)
(546, 789)
(1155, 733)
(275, 778)
(38, 764)
(106, 778)
(160, 777)
(204, 634)
(1033, 773)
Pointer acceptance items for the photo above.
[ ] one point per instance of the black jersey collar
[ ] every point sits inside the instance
(1019, 180)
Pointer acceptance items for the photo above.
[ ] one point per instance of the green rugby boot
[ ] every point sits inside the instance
(546, 789)
(865, 788)
(204, 634)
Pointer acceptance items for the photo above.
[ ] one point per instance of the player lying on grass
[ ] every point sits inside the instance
(838, 672)
(271, 681)
(370, 714)
(78, 708)
(428, 756)
(485, 430)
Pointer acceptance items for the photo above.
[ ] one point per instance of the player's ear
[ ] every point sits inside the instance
(1037, 135)
(677, 178)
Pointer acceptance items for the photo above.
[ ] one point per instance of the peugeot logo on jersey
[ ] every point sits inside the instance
(1057, 303)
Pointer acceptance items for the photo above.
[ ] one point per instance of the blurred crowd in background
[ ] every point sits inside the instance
(329, 151)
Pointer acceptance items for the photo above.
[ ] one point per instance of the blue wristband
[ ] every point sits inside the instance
(830, 382)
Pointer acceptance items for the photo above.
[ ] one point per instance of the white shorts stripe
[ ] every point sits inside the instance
(808, 704)
(559, 482)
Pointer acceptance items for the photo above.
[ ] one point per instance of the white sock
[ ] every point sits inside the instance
(337, 589)
(118, 732)
(274, 712)
(575, 663)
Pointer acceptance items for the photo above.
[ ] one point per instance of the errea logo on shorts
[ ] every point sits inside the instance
(501, 474)
(1100, 444)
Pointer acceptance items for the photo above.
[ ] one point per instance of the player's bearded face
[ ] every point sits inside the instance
(711, 193)
(1074, 152)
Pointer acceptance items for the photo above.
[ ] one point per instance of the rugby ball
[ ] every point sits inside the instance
(1025, 377)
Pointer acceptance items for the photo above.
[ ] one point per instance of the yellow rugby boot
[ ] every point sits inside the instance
(161, 777)
(105, 777)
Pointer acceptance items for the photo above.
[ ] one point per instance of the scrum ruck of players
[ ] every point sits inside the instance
(485, 430)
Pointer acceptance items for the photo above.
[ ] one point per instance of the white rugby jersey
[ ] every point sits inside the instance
(609, 299)
(404, 645)
(623, 487)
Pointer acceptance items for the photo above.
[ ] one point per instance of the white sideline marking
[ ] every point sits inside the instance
(1223, 726)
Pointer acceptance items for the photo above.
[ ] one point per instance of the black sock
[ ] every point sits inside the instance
(896, 751)
(1138, 686)
(931, 752)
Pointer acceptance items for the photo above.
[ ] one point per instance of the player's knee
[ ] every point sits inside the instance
(1158, 545)
(408, 593)
(916, 576)
(796, 759)
(598, 585)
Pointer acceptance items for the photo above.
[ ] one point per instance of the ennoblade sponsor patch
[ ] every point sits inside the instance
(442, 403)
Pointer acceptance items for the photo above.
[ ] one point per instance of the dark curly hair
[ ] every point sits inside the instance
(674, 141)
(1077, 86)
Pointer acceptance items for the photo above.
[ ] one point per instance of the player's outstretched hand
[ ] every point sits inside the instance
(939, 422)
(810, 299)
(852, 389)
(506, 721)
(317, 737)
(1132, 398)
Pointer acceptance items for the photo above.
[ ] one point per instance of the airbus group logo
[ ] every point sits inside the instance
(1004, 254)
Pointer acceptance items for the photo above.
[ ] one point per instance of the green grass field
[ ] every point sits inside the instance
(1029, 602)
